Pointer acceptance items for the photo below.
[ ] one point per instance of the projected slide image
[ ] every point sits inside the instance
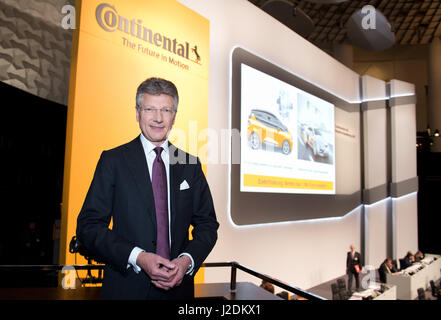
(266, 131)
(315, 130)
(287, 137)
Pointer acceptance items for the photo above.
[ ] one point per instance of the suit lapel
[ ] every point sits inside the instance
(174, 183)
(137, 163)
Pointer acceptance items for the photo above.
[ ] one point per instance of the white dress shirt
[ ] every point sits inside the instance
(150, 155)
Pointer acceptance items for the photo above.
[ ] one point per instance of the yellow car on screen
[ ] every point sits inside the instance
(265, 127)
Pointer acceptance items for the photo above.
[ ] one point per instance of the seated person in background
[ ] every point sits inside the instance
(419, 256)
(283, 294)
(385, 268)
(267, 286)
(407, 261)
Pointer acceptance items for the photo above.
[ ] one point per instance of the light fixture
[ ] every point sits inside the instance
(425, 139)
(376, 37)
(429, 132)
(290, 15)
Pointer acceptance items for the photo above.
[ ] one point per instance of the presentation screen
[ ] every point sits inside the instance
(289, 142)
(298, 154)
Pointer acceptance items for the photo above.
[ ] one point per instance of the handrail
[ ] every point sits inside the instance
(235, 265)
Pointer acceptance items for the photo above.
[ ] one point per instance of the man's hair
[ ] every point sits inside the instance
(157, 86)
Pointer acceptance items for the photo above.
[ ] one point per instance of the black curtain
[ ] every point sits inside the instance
(429, 208)
(32, 147)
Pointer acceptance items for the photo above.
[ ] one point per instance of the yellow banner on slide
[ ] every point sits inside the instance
(252, 180)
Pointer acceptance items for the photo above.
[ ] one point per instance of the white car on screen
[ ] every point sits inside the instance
(314, 139)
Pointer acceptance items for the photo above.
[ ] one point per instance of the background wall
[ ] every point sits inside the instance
(304, 253)
(375, 146)
(34, 50)
(407, 63)
(404, 170)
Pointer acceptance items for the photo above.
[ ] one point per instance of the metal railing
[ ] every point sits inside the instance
(235, 265)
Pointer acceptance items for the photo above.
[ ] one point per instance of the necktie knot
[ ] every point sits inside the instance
(158, 151)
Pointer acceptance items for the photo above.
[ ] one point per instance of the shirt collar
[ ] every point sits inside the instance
(148, 146)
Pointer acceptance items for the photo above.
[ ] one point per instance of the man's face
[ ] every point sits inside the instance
(154, 123)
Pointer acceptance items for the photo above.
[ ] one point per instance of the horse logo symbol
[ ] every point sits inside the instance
(195, 51)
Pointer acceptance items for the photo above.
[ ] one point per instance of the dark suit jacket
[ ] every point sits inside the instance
(121, 190)
(405, 263)
(383, 270)
(351, 262)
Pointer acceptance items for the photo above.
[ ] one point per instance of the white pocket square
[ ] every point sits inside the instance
(184, 185)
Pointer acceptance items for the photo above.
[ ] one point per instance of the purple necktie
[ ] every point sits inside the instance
(159, 184)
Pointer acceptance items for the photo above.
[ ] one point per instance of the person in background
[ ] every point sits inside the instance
(283, 294)
(32, 251)
(386, 268)
(267, 286)
(354, 266)
(419, 256)
(407, 261)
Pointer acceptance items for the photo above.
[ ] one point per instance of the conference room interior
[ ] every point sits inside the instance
(33, 144)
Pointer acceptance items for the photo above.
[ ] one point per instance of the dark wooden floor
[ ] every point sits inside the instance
(244, 291)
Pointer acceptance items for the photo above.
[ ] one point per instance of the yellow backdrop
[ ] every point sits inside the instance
(115, 48)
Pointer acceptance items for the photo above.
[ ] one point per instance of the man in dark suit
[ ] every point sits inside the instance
(353, 267)
(386, 267)
(153, 192)
(407, 261)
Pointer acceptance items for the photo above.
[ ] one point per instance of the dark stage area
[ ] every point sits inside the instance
(32, 147)
(429, 215)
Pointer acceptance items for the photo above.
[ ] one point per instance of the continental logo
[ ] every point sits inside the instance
(110, 21)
